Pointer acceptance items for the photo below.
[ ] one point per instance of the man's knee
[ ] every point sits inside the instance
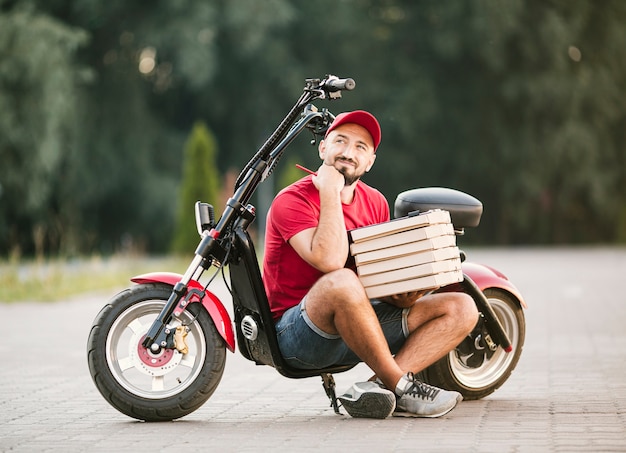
(337, 292)
(464, 309)
(343, 281)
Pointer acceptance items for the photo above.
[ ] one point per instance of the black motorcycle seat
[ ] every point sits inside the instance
(465, 210)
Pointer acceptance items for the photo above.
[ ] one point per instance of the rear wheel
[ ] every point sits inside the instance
(473, 369)
(144, 385)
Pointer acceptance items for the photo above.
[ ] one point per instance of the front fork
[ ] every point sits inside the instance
(208, 252)
(156, 337)
(492, 324)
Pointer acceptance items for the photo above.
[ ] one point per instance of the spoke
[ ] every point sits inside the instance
(125, 363)
(158, 383)
(188, 360)
(136, 326)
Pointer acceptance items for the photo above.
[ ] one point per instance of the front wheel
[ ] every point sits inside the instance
(147, 386)
(472, 368)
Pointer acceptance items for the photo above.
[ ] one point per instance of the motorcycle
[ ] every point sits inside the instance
(157, 350)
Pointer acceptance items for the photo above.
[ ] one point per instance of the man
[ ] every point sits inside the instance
(323, 315)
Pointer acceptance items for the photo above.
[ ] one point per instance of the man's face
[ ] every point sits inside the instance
(350, 149)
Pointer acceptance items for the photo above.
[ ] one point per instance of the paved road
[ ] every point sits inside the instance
(568, 392)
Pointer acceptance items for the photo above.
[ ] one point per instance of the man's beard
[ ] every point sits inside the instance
(349, 179)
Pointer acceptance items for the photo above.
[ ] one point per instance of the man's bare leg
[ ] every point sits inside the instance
(437, 324)
(337, 304)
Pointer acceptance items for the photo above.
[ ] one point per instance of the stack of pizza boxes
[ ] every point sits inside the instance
(408, 254)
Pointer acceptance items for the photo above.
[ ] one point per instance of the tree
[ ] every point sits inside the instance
(518, 103)
(552, 75)
(200, 183)
(39, 79)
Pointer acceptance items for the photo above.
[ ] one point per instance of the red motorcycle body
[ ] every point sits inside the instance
(210, 301)
(487, 277)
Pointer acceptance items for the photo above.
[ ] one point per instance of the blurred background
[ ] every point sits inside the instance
(112, 111)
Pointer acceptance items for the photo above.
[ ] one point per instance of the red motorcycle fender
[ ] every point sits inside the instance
(210, 301)
(487, 277)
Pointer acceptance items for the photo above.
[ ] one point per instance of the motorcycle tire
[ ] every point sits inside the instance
(146, 386)
(478, 377)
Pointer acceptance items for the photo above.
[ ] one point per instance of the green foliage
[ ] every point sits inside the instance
(200, 183)
(289, 174)
(550, 106)
(39, 79)
(519, 103)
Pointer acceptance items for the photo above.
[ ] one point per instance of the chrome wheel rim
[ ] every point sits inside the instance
(497, 365)
(147, 375)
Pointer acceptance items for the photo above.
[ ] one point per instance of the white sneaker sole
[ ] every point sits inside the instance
(402, 413)
(368, 401)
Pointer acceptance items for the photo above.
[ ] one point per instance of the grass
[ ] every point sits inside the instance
(57, 279)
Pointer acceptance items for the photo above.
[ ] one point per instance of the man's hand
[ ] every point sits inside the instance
(328, 178)
(404, 300)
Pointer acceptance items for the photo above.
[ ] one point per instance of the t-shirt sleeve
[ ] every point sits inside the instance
(295, 212)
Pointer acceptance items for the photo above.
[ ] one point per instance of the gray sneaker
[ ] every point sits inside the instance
(424, 400)
(368, 400)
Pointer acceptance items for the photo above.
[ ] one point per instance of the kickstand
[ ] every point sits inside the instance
(329, 385)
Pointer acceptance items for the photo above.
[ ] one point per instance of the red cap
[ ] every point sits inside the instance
(362, 118)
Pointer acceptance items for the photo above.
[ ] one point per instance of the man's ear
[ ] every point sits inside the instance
(321, 149)
(371, 164)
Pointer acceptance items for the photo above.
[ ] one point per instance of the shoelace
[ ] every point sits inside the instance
(421, 389)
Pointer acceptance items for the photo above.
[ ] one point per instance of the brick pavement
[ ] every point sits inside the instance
(568, 392)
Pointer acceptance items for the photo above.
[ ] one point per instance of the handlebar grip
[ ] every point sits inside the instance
(336, 84)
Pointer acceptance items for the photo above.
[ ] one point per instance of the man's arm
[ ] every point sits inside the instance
(325, 247)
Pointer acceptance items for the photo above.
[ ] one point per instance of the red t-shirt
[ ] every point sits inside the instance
(286, 276)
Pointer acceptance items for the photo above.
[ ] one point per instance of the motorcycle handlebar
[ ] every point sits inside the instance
(328, 88)
(336, 84)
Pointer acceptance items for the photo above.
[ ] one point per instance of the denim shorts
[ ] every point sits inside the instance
(306, 346)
